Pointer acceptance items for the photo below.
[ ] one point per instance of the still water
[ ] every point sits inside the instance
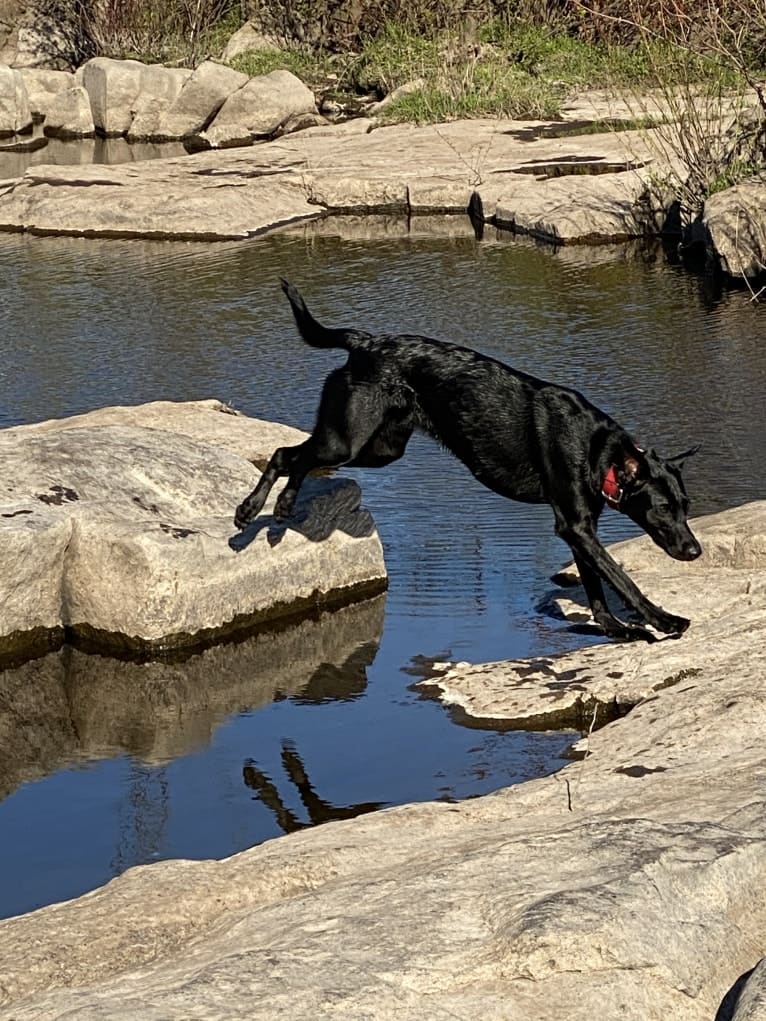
(106, 764)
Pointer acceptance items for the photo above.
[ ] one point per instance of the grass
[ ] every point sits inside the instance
(504, 72)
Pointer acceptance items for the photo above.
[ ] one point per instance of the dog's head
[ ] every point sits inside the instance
(653, 495)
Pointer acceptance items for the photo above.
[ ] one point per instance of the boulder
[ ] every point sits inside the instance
(69, 115)
(265, 102)
(118, 525)
(15, 114)
(246, 39)
(43, 35)
(223, 136)
(159, 87)
(200, 99)
(43, 86)
(735, 223)
(626, 886)
(113, 86)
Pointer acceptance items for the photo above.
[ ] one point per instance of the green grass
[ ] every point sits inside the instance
(303, 65)
(514, 72)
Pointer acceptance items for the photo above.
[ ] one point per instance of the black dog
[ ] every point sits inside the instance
(521, 437)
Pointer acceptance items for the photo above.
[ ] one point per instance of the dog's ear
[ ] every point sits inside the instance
(677, 461)
(632, 467)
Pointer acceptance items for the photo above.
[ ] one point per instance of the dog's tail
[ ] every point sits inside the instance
(313, 332)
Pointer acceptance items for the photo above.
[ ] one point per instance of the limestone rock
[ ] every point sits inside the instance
(189, 197)
(15, 114)
(200, 99)
(246, 39)
(301, 122)
(159, 87)
(735, 221)
(222, 136)
(265, 102)
(124, 530)
(43, 86)
(113, 86)
(69, 115)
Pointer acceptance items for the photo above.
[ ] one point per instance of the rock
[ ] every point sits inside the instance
(723, 593)
(301, 122)
(69, 115)
(626, 886)
(265, 102)
(159, 87)
(43, 86)
(344, 168)
(579, 208)
(118, 525)
(15, 115)
(190, 198)
(41, 35)
(113, 87)
(200, 99)
(735, 222)
(223, 136)
(246, 39)
(408, 89)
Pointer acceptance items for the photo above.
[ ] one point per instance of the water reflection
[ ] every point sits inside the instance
(37, 150)
(319, 810)
(70, 706)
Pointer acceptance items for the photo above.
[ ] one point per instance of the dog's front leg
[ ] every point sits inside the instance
(589, 553)
(612, 626)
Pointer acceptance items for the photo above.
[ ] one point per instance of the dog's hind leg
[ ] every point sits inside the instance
(280, 464)
(385, 446)
(352, 412)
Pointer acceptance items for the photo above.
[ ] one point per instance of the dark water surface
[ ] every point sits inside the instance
(108, 764)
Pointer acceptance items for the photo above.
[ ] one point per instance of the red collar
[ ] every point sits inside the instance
(611, 490)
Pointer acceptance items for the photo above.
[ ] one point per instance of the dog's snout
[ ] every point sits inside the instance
(691, 550)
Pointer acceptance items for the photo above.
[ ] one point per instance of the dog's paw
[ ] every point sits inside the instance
(242, 517)
(670, 624)
(283, 508)
(620, 631)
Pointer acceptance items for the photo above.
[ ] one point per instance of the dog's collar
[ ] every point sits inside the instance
(611, 490)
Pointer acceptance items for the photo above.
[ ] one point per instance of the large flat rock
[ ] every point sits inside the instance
(235, 193)
(117, 525)
(627, 887)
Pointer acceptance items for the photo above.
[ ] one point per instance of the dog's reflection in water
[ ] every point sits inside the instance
(319, 810)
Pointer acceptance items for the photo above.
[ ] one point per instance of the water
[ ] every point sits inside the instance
(22, 151)
(105, 764)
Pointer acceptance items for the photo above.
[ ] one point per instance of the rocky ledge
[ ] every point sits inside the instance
(591, 188)
(117, 528)
(627, 886)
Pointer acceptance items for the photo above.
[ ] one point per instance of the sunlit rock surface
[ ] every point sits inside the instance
(627, 886)
(118, 524)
